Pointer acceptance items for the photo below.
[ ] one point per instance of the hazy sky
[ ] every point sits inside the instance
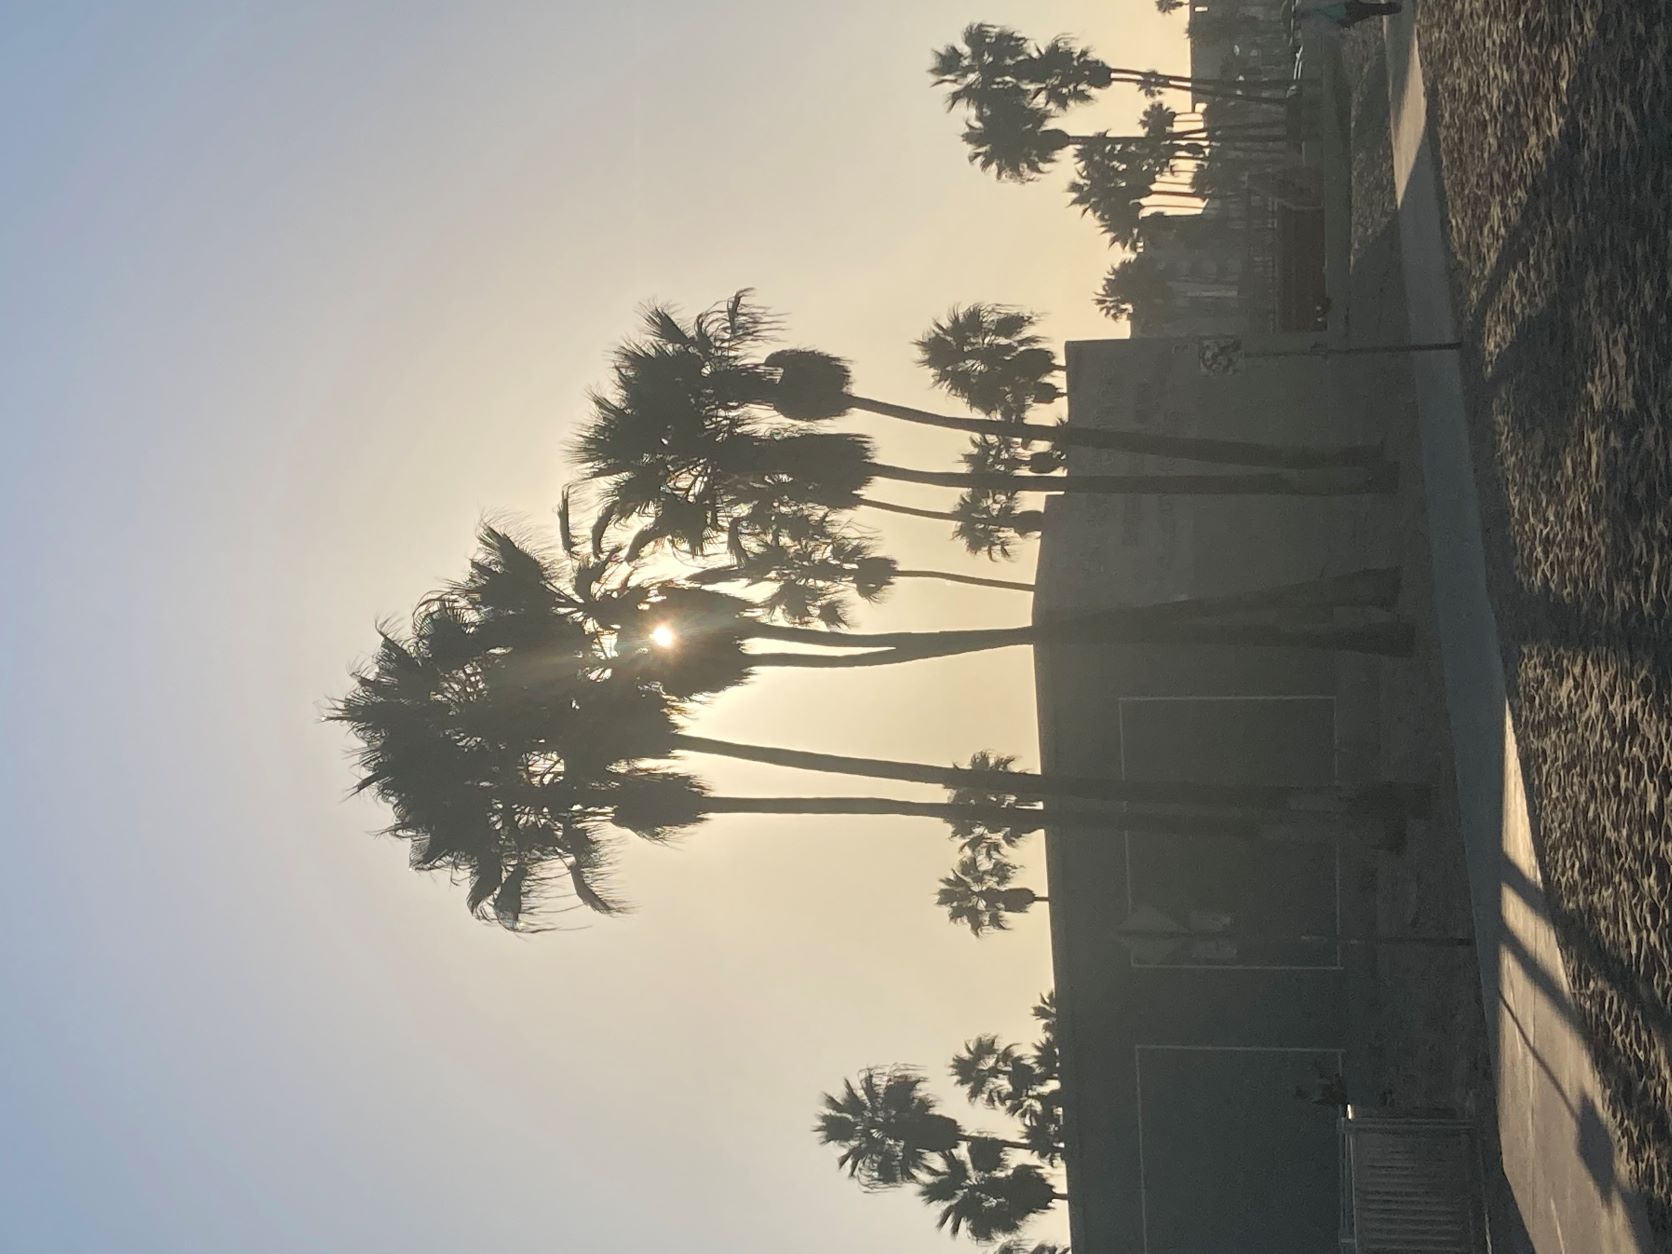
(289, 296)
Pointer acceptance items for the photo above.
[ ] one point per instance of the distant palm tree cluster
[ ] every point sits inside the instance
(1012, 90)
(892, 1134)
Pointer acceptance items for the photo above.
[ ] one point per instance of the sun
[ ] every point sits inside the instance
(662, 636)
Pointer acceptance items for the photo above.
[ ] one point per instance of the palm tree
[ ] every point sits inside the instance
(996, 64)
(810, 560)
(511, 725)
(991, 1073)
(713, 627)
(980, 1191)
(1025, 1084)
(684, 438)
(979, 895)
(1012, 90)
(990, 357)
(889, 1128)
(1137, 283)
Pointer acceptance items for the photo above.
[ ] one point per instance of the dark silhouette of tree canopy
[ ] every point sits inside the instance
(888, 1127)
(1137, 283)
(993, 67)
(1025, 1083)
(978, 1189)
(891, 1133)
(990, 357)
(979, 894)
(1012, 89)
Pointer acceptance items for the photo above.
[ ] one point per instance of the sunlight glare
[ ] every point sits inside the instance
(662, 636)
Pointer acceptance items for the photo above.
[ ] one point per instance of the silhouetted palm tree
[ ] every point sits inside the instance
(989, 1072)
(979, 1191)
(988, 356)
(699, 436)
(1137, 283)
(513, 723)
(1025, 1084)
(889, 1128)
(715, 626)
(996, 64)
(979, 895)
(1012, 90)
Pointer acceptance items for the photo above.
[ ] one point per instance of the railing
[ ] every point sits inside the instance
(1410, 1185)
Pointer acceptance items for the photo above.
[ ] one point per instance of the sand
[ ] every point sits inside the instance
(1555, 128)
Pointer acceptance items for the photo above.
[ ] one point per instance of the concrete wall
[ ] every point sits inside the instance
(1184, 1131)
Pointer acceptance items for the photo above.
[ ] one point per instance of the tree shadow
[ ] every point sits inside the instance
(1559, 200)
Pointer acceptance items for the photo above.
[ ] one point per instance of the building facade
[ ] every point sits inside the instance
(1181, 1061)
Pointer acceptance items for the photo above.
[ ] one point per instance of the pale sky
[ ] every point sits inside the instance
(290, 295)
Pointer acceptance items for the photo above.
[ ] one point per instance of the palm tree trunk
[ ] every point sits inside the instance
(1185, 448)
(1191, 620)
(909, 511)
(973, 581)
(732, 574)
(1388, 639)
(966, 1138)
(1382, 479)
(1374, 587)
(1027, 522)
(1264, 800)
(1242, 825)
(1212, 88)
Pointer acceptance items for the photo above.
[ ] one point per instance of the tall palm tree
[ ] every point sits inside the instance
(980, 1191)
(996, 63)
(889, 1128)
(698, 436)
(713, 627)
(512, 725)
(1012, 90)
(979, 894)
(988, 355)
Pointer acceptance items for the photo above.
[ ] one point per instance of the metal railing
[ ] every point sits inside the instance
(1410, 1185)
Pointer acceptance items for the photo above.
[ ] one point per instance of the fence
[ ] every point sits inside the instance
(1411, 1185)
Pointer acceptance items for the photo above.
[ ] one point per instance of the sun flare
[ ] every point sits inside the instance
(662, 636)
